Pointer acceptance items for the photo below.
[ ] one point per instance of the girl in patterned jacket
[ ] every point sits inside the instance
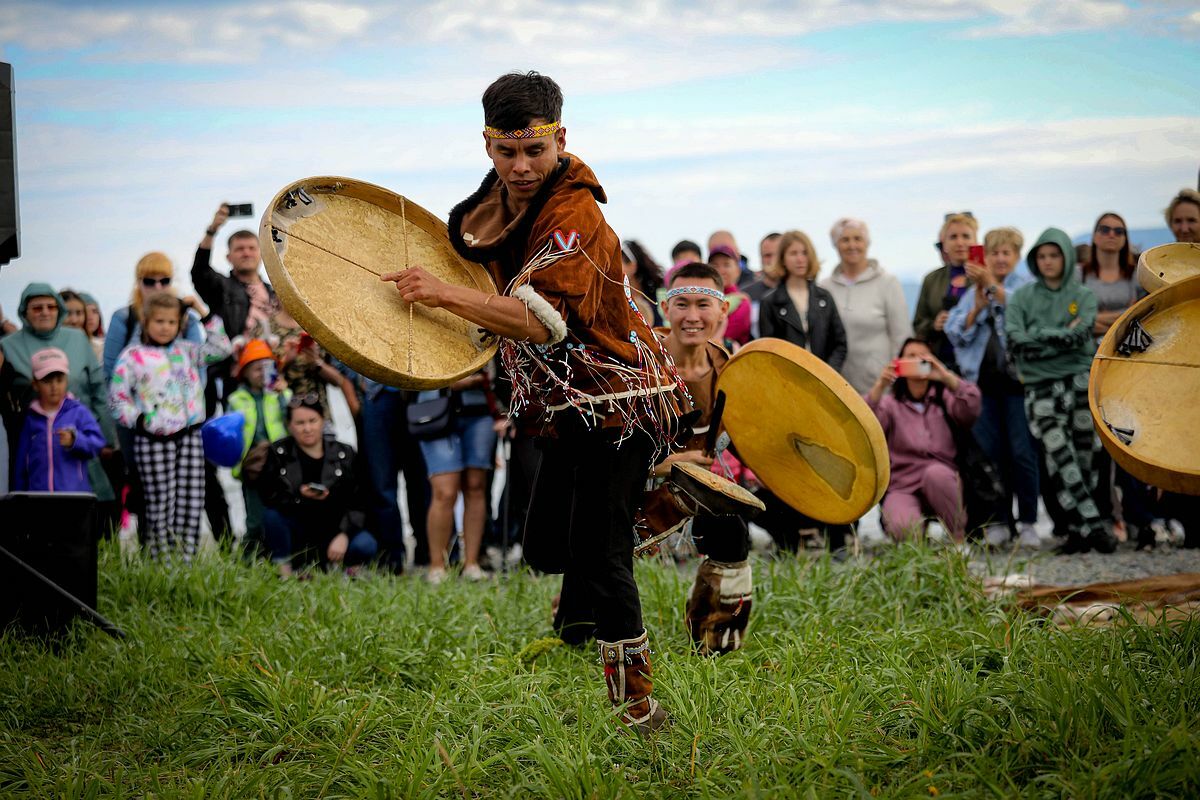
(156, 390)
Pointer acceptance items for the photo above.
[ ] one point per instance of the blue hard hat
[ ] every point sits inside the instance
(222, 437)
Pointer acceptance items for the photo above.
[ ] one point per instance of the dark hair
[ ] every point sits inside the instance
(685, 246)
(311, 401)
(769, 237)
(71, 294)
(698, 269)
(516, 99)
(900, 387)
(242, 234)
(649, 274)
(1125, 258)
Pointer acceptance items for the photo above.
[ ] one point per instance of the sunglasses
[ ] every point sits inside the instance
(966, 214)
(308, 400)
(1114, 230)
(150, 283)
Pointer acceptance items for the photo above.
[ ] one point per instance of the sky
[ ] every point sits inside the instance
(136, 119)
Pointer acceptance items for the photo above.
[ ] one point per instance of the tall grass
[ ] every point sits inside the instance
(894, 678)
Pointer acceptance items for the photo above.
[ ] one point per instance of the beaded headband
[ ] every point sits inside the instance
(522, 133)
(704, 290)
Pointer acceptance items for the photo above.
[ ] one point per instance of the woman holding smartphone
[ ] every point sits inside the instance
(313, 503)
(917, 416)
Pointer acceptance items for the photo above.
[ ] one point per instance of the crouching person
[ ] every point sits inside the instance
(718, 604)
(310, 490)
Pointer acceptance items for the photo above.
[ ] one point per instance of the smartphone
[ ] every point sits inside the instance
(975, 254)
(240, 209)
(911, 367)
(319, 488)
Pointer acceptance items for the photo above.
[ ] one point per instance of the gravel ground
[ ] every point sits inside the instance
(1074, 570)
(1043, 566)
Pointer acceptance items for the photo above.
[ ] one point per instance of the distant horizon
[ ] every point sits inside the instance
(135, 119)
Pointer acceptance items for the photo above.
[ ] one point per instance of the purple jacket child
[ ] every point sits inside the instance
(43, 464)
(59, 435)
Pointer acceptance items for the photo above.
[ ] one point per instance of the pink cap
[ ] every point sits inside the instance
(50, 360)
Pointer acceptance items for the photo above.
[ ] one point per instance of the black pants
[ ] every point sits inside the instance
(783, 523)
(725, 538)
(580, 523)
(217, 388)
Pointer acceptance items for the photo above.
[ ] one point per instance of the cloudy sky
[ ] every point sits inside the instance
(135, 119)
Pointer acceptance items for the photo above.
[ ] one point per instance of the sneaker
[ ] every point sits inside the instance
(435, 575)
(996, 535)
(474, 572)
(1027, 536)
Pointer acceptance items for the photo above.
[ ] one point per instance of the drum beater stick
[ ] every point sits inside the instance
(404, 231)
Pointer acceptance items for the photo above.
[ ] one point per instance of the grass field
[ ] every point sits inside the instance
(893, 678)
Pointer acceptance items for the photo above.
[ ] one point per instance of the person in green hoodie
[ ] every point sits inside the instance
(1049, 329)
(42, 311)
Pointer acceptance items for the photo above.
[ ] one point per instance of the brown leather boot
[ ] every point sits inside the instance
(718, 606)
(627, 674)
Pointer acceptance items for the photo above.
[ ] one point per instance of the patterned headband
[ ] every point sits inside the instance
(522, 133)
(704, 290)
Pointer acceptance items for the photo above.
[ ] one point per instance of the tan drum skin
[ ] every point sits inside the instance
(1167, 264)
(808, 436)
(1154, 393)
(325, 242)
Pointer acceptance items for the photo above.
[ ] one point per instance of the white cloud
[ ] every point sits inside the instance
(581, 33)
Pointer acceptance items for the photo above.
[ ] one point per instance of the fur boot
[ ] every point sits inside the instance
(718, 606)
(629, 679)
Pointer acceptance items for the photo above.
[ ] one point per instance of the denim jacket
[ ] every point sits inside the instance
(970, 342)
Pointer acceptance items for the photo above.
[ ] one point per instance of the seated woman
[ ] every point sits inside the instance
(916, 417)
(313, 509)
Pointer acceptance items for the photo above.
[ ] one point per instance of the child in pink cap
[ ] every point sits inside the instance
(59, 435)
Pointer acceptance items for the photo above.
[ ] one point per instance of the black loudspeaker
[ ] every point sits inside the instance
(10, 217)
(55, 534)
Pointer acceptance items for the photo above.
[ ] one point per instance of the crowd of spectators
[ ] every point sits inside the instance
(981, 394)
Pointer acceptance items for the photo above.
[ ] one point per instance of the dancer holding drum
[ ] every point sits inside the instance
(590, 378)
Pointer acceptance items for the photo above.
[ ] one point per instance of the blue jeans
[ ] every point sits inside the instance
(290, 540)
(1003, 432)
(472, 445)
(388, 449)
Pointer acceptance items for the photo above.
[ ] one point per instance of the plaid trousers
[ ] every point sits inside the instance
(1060, 419)
(172, 472)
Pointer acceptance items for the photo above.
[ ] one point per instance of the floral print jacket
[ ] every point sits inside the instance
(156, 389)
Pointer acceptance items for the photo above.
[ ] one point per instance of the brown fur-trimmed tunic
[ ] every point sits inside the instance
(603, 365)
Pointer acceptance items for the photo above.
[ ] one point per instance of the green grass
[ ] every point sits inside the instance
(894, 678)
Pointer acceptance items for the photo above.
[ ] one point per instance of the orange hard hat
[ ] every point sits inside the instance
(255, 350)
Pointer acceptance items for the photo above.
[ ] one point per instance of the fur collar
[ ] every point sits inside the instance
(520, 233)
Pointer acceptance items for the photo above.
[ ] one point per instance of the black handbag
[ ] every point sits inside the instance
(433, 418)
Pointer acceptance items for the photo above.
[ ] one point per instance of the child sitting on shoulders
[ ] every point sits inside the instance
(59, 436)
(265, 410)
(156, 390)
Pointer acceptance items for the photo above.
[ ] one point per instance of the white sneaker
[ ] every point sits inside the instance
(474, 572)
(996, 535)
(1027, 536)
(435, 575)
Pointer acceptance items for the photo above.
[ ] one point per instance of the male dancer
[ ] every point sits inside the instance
(589, 377)
(718, 605)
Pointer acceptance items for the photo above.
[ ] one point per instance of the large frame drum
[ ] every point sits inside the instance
(804, 431)
(326, 241)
